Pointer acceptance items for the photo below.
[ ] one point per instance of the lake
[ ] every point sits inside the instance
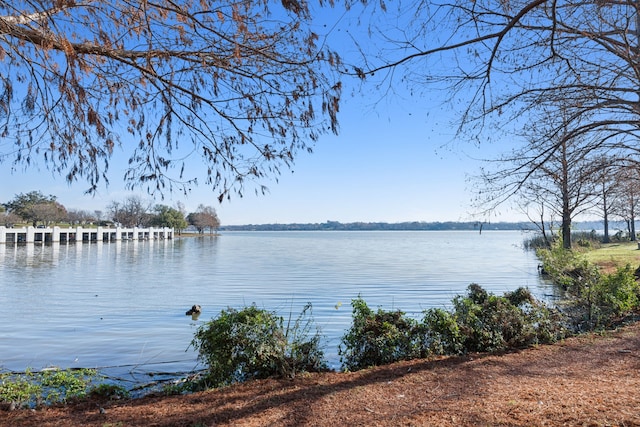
(121, 306)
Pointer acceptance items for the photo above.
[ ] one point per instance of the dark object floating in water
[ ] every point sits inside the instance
(195, 309)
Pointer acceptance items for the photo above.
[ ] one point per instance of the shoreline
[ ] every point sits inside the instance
(590, 379)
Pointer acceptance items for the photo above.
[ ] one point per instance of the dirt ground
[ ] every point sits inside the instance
(592, 380)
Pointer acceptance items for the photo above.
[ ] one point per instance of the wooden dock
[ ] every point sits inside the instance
(80, 234)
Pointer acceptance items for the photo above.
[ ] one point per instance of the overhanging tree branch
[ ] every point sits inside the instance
(239, 87)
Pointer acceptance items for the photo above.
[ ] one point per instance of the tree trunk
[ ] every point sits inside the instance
(632, 221)
(566, 230)
(566, 212)
(543, 228)
(605, 209)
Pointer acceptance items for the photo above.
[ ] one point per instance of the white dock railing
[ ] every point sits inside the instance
(81, 234)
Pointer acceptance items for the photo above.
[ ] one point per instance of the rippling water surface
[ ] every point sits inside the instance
(121, 306)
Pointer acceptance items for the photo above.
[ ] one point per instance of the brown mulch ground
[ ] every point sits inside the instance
(592, 380)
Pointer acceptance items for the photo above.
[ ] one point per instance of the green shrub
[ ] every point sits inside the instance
(567, 269)
(583, 239)
(254, 343)
(541, 325)
(479, 322)
(109, 391)
(538, 241)
(619, 291)
(593, 300)
(442, 334)
(604, 302)
(176, 388)
(482, 317)
(378, 338)
(491, 323)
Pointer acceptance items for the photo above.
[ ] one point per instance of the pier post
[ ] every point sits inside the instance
(66, 235)
(31, 235)
(135, 233)
(99, 236)
(3, 234)
(55, 236)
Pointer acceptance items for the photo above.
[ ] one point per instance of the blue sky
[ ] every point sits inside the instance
(395, 159)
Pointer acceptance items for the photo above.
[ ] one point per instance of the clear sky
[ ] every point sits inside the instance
(395, 159)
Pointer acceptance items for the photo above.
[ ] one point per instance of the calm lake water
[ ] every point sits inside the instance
(121, 306)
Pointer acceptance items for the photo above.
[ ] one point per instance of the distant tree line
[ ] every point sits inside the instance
(370, 226)
(34, 208)
(619, 226)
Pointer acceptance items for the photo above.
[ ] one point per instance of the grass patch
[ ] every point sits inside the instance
(31, 389)
(613, 255)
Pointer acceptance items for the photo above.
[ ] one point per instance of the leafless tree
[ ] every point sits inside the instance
(133, 211)
(508, 64)
(49, 213)
(8, 219)
(204, 217)
(537, 213)
(189, 91)
(79, 216)
(626, 192)
(561, 176)
(606, 192)
(519, 56)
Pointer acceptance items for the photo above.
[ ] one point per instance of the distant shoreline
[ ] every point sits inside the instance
(381, 226)
(411, 226)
